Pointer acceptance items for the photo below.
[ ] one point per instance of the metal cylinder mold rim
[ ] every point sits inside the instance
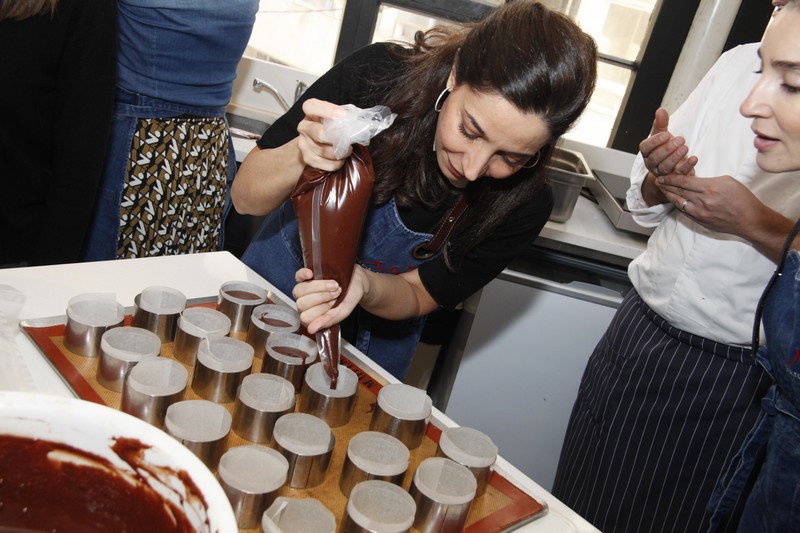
(334, 406)
(377, 506)
(402, 411)
(194, 325)
(298, 514)
(251, 475)
(221, 366)
(267, 319)
(288, 366)
(151, 387)
(471, 448)
(88, 317)
(237, 299)
(261, 400)
(121, 349)
(200, 425)
(307, 443)
(157, 309)
(373, 455)
(443, 491)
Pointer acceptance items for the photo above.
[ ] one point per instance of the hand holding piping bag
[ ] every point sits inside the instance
(331, 207)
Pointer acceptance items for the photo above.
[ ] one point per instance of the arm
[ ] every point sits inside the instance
(431, 286)
(725, 205)
(709, 100)
(265, 178)
(390, 296)
(268, 175)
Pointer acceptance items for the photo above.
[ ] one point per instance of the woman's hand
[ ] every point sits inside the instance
(316, 298)
(721, 204)
(389, 296)
(314, 151)
(725, 205)
(664, 153)
(267, 176)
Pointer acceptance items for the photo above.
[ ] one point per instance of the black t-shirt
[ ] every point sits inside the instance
(341, 85)
(56, 103)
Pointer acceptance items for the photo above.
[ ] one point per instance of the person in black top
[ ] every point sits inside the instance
(479, 108)
(58, 64)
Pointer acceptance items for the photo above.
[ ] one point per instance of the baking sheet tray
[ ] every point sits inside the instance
(504, 506)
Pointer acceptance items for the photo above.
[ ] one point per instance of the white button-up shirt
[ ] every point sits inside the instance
(701, 281)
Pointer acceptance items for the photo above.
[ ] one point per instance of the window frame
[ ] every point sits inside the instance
(651, 74)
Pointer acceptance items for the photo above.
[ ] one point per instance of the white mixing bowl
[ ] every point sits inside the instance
(162, 462)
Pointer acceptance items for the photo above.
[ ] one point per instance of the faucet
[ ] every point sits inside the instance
(299, 89)
(261, 84)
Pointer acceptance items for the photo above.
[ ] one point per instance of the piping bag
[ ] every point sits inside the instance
(331, 208)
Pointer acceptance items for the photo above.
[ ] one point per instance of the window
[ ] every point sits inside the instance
(338, 27)
(298, 33)
(620, 28)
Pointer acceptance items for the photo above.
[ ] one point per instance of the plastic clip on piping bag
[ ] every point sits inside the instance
(331, 208)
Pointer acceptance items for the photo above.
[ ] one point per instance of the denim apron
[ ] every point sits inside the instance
(773, 446)
(101, 241)
(276, 254)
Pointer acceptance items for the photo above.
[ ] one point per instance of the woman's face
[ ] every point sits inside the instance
(481, 134)
(774, 102)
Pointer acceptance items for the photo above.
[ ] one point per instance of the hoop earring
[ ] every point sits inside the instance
(437, 106)
(531, 165)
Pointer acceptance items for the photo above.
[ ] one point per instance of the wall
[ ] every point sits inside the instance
(259, 104)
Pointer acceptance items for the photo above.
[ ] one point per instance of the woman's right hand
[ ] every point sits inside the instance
(315, 152)
(663, 153)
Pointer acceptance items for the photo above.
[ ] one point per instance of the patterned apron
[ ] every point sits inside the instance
(164, 189)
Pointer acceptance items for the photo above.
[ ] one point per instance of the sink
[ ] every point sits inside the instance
(246, 127)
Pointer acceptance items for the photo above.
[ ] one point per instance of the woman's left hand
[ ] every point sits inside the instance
(721, 204)
(316, 299)
(725, 205)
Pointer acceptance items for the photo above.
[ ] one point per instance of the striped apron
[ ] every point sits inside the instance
(659, 414)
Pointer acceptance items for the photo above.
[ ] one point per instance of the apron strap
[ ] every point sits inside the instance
(428, 249)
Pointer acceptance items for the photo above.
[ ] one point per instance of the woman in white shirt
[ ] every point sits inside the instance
(673, 388)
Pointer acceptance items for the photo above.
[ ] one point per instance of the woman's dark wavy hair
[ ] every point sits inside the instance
(536, 58)
(22, 9)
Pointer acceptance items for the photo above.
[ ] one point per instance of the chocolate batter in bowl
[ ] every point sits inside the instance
(71, 465)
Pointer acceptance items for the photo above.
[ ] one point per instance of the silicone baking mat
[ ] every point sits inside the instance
(503, 507)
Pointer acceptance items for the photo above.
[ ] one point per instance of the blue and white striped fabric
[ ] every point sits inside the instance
(659, 414)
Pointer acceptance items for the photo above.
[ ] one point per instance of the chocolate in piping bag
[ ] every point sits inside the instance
(331, 208)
